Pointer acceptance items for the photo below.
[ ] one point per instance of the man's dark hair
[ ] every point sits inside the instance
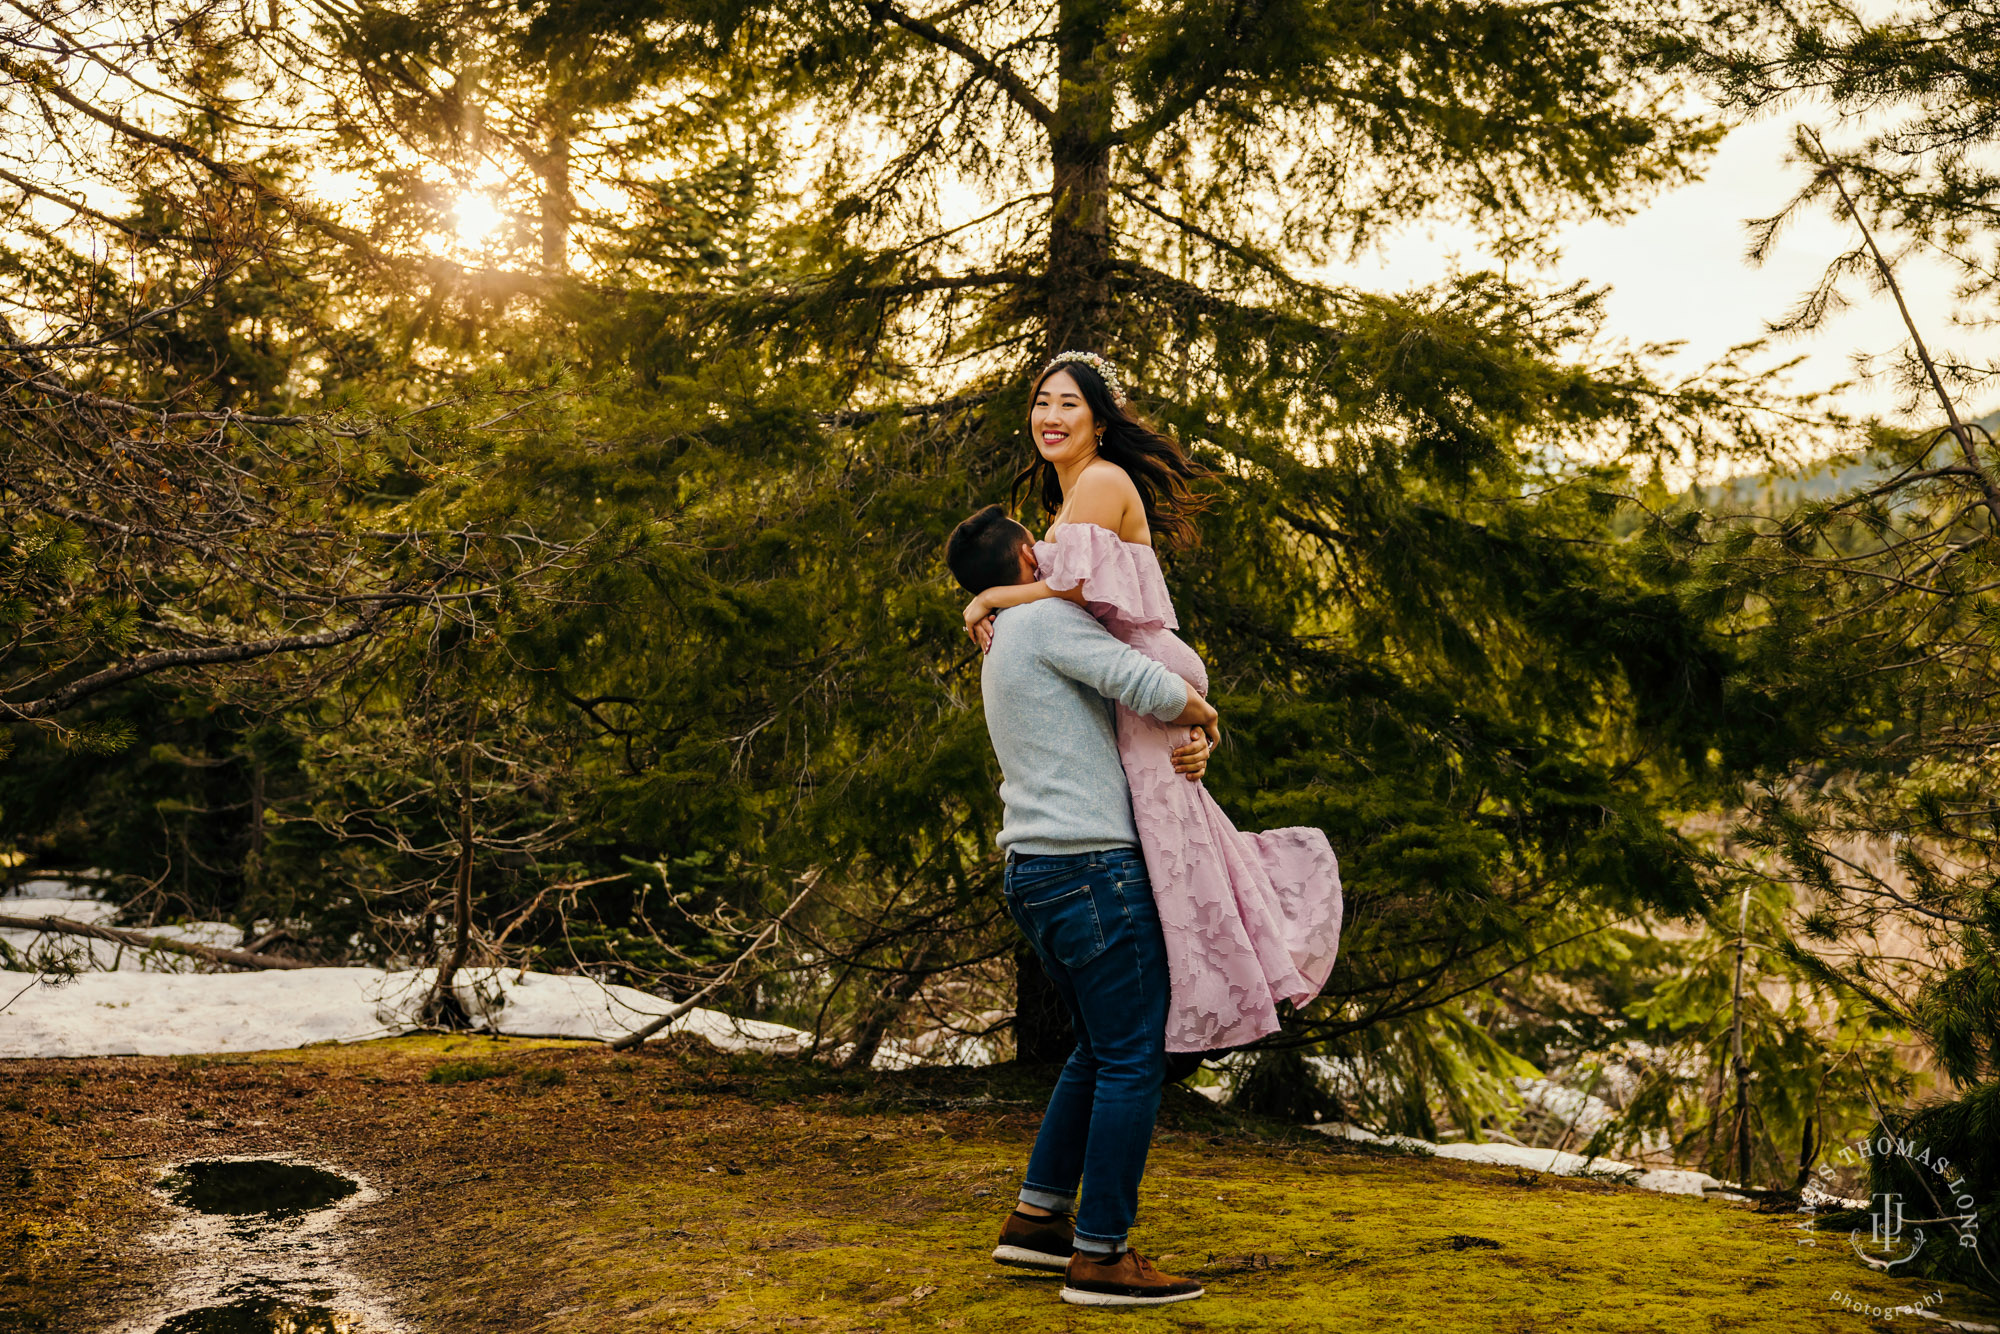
(981, 550)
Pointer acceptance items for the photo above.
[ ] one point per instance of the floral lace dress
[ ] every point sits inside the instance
(1249, 919)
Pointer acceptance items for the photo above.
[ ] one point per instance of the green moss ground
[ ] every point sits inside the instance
(559, 1188)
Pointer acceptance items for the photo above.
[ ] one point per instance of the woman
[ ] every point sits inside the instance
(1249, 919)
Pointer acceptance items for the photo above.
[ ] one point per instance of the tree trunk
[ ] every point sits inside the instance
(1078, 316)
(889, 1004)
(556, 200)
(1079, 277)
(443, 1006)
(1041, 1025)
(253, 865)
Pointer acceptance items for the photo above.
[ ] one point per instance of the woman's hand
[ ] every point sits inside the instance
(979, 622)
(1191, 758)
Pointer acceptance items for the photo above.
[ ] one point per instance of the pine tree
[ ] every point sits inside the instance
(1866, 617)
(766, 289)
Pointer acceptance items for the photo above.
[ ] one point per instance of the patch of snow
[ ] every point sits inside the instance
(552, 1005)
(948, 1046)
(66, 891)
(1573, 1107)
(1348, 1130)
(130, 1013)
(1349, 1080)
(1676, 1181)
(1949, 1323)
(184, 1014)
(1669, 1181)
(54, 905)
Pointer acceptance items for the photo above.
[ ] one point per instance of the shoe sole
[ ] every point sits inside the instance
(1079, 1297)
(1020, 1257)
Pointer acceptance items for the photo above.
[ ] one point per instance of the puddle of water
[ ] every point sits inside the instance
(260, 1247)
(256, 1186)
(263, 1315)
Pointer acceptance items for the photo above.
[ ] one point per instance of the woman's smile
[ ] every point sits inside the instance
(1060, 419)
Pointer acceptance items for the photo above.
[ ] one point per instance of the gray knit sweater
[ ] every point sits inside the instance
(1049, 684)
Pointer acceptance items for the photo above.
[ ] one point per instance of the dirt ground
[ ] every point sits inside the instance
(538, 1186)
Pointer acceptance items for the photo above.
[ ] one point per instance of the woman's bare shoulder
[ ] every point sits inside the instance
(1107, 496)
(1104, 479)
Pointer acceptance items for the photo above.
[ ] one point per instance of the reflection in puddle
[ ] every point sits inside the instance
(263, 1315)
(259, 1248)
(256, 1186)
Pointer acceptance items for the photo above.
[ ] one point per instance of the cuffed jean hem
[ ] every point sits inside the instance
(1053, 1201)
(1098, 1245)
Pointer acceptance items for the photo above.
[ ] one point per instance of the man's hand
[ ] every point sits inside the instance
(979, 623)
(1200, 713)
(1192, 758)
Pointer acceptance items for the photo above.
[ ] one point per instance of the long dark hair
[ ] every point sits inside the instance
(1154, 461)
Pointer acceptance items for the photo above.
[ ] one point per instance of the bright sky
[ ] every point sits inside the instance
(1677, 273)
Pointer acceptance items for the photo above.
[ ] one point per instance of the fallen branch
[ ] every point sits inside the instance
(764, 937)
(120, 936)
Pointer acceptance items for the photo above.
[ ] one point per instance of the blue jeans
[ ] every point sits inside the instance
(1092, 922)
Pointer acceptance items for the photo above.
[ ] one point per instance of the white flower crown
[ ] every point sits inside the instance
(1112, 380)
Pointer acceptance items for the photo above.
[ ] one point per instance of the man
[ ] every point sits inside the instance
(1076, 886)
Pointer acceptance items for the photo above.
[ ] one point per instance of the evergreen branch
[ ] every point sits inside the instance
(1315, 528)
(832, 290)
(138, 321)
(1198, 89)
(944, 282)
(1201, 300)
(82, 209)
(43, 80)
(1826, 972)
(1495, 976)
(1399, 1007)
(935, 238)
(1234, 249)
(942, 408)
(1014, 86)
(1882, 266)
(1879, 886)
(223, 416)
(68, 44)
(546, 890)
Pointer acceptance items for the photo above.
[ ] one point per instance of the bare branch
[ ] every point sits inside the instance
(148, 664)
(142, 940)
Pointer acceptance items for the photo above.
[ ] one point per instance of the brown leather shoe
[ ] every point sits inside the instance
(1125, 1279)
(1036, 1243)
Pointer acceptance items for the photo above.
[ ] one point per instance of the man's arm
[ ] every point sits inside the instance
(1085, 651)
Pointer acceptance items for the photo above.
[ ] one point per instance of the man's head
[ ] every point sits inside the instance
(989, 550)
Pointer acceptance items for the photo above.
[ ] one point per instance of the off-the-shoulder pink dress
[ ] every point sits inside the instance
(1250, 919)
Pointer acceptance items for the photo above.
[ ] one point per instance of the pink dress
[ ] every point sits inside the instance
(1249, 919)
